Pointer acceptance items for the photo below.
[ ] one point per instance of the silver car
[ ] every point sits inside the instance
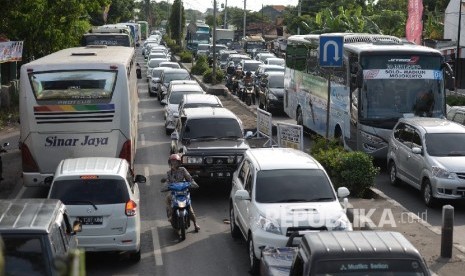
(428, 154)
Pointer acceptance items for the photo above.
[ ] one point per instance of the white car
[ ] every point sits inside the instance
(278, 191)
(198, 100)
(103, 195)
(172, 103)
(153, 63)
(275, 61)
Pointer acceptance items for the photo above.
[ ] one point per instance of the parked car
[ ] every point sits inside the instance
(211, 142)
(278, 191)
(153, 55)
(174, 83)
(198, 100)
(173, 100)
(167, 76)
(35, 234)
(456, 114)
(428, 154)
(271, 95)
(346, 253)
(262, 56)
(103, 194)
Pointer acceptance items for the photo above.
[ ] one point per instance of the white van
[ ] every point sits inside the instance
(103, 194)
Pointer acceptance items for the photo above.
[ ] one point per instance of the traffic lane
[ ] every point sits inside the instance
(411, 199)
(161, 250)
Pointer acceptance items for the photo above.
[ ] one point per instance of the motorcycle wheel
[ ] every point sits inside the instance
(182, 227)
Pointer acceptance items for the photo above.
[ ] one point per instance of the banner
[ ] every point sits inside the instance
(11, 51)
(414, 26)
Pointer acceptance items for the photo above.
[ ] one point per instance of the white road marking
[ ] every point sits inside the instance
(156, 247)
(21, 192)
(140, 116)
(142, 139)
(146, 173)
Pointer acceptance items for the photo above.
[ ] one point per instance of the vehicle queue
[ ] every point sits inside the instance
(253, 171)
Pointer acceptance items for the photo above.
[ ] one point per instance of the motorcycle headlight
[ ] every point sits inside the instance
(341, 224)
(271, 96)
(269, 225)
(192, 159)
(442, 173)
(182, 204)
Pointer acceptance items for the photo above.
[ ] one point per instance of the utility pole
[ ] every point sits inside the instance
(214, 44)
(225, 25)
(263, 33)
(457, 55)
(180, 23)
(298, 14)
(245, 14)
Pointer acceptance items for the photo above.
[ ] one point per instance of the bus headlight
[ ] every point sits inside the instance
(372, 138)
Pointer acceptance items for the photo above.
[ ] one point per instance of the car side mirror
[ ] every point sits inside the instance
(416, 150)
(342, 192)
(164, 102)
(140, 179)
(174, 136)
(248, 134)
(241, 195)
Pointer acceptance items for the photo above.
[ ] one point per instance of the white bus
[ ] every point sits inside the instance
(77, 102)
(379, 82)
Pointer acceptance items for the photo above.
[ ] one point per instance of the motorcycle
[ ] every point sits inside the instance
(2, 150)
(249, 93)
(180, 204)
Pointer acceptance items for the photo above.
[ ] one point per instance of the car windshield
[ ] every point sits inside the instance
(176, 97)
(252, 66)
(212, 127)
(24, 255)
(97, 191)
(276, 81)
(156, 73)
(293, 185)
(445, 144)
(176, 76)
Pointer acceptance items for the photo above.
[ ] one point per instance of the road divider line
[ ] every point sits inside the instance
(21, 192)
(147, 174)
(142, 139)
(156, 247)
(140, 116)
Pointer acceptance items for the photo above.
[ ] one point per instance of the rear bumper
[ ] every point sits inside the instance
(130, 241)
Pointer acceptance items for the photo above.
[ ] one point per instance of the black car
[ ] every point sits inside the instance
(271, 94)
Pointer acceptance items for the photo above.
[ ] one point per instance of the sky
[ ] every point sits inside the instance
(254, 5)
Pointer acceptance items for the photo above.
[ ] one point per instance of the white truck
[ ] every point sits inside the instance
(224, 36)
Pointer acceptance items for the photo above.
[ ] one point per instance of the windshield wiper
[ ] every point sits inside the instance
(321, 199)
(82, 201)
(205, 137)
(233, 137)
(292, 200)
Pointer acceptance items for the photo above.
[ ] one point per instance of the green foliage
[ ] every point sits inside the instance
(200, 66)
(185, 56)
(177, 21)
(354, 170)
(455, 100)
(208, 76)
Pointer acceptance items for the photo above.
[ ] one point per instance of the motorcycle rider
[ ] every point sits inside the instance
(248, 80)
(238, 75)
(178, 174)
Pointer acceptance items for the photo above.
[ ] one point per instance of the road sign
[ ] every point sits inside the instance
(331, 54)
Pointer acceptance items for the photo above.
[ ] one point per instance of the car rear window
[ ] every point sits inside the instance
(293, 185)
(98, 191)
(24, 255)
(212, 128)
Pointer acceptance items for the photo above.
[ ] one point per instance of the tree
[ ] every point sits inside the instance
(177, 21)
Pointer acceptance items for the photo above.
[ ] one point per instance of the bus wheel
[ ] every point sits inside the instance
(299, 117)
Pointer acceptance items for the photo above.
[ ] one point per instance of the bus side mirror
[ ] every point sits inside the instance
(449, 77)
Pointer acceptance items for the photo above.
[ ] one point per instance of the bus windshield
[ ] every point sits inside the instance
(396, 85)
(73, 85)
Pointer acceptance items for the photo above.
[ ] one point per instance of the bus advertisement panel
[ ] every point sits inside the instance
(77, 102)
(381, 80)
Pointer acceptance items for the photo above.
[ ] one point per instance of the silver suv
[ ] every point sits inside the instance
(428, 154)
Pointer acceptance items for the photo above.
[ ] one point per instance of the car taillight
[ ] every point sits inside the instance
(131, 208)
(28, 162)
(126, 152)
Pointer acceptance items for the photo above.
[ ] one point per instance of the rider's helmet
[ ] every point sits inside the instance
(174, 159)
(248, 74)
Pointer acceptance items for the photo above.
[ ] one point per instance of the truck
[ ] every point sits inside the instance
(144, 29)
(253, 44)
(224, 36)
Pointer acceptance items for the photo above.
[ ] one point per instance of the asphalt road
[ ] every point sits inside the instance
(212, 251)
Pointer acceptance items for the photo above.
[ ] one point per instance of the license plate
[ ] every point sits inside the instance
(91, 220)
